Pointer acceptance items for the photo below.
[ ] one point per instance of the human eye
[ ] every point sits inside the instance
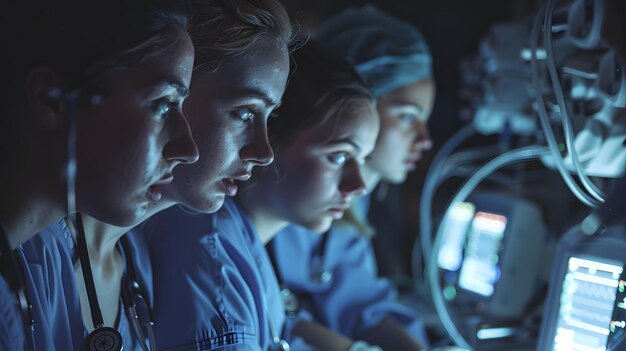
(408, 118)
(338, 158)
(245, 114)
(163, 107)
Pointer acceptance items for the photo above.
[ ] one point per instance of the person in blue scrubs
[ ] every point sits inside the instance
(214, 284)
(332, 276)
(116, 74)
(226, 88)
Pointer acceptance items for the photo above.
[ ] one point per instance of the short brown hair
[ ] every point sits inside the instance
(225, 28)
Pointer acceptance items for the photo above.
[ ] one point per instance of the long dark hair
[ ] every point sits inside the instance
(83, 41)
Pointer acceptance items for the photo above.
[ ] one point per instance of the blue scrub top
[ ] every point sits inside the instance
(11, 324)
(355, 299)
(214, 284)
(52, 290)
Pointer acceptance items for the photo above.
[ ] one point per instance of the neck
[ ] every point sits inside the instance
(107, 268)
(266, 223)
(27, 206)
(101, 239)
(371, 178)
(32, 194)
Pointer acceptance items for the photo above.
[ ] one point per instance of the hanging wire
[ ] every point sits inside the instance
(513, 156)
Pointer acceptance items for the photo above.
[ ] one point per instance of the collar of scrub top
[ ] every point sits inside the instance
(318, 273)
(278, 344)
(12, 270)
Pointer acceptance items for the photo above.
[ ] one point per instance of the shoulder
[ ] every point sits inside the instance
(219, 305)
(11, 326)
(50, 245)
(295, 239)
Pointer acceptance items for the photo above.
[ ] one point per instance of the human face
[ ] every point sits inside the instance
(404, 132)
(317, 175)
(228, 110)
(128, 145)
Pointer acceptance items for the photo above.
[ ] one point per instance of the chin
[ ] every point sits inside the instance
(396, 178)
(319, 225)
(208, 204)
(128, 218)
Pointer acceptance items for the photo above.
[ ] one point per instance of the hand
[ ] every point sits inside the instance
(361, 345)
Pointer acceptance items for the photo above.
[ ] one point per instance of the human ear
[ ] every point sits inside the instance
(44, 97)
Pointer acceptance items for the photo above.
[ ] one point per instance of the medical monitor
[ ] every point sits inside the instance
(492, 252)
(586, 305)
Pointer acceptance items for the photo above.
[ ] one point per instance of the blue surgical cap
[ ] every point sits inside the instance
(387, 53)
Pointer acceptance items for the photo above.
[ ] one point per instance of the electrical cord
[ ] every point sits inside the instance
(430, 183)
(545, 122)
(563, 111)
(513, 156)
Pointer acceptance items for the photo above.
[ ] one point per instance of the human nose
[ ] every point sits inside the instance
(259, 151)
(353, 183)
(181, 148)
(422, 141)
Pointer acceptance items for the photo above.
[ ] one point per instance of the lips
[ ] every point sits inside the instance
(414, 158)
(166, 179)
(243, 177)
(338, 210)
(229, 187)
(411, 161)
(154, 191)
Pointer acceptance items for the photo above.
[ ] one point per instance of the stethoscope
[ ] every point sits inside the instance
(104, 338)
(134, 300)
(319, 273)
(11, 270)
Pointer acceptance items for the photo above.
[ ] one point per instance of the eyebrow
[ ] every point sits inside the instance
(404, 104)
(181, 88)
(259, 94)
(346, 141)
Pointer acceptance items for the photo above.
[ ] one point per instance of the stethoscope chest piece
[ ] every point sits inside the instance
(325, 277)
(280, 345)
(104, 339)
(291, 301)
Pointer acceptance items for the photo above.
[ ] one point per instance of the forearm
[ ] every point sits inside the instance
(391, 335)
(321, 337)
